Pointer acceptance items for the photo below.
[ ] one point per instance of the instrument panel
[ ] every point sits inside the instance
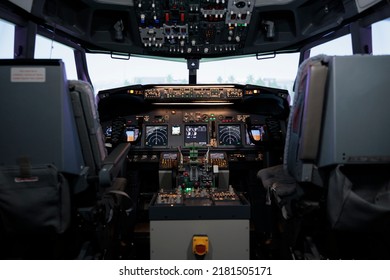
(195, 135)
(169, 117)
(172, 127)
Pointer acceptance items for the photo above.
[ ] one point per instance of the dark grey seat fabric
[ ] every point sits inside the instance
(302, 139)
(359, 197)
(88, 124)
(280, 187)
(105, 167)
(39, 147)
(278, 180)
(52, 153)
(105, 171)
(327, 144)
(37, 204)
(37, 115)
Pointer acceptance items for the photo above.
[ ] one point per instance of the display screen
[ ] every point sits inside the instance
(196, 134)
(229, 135)
(169, 156)
(176, 130)
(258, 134)
(156, 135)
(217, 155)
(131, 134)
(108, 132)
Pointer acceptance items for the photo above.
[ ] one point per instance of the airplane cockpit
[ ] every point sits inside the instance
(194, 170)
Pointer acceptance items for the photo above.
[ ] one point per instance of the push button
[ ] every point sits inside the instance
(200, 245)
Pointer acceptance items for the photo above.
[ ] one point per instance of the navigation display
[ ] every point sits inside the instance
(156, 135)
(195, 135)
(229, 135)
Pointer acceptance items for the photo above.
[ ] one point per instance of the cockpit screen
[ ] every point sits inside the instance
(156, 135)
(176, 130)
(258, 133)
(196, 135)
(132, 134)
(229, 135)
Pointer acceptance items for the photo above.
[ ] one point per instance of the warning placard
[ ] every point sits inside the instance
(28, 74)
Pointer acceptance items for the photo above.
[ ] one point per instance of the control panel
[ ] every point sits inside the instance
(164, 122)
(199, 204)
(193, 169)
(194, 92)
(195, 137)
(175, 126)
(202, 27)
(197, 197)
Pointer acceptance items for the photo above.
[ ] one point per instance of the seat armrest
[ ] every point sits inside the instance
(112, 164)
(118, 184)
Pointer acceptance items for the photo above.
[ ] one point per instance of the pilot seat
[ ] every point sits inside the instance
(336, 161)
(60, 192)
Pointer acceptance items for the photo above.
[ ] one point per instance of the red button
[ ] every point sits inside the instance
(200, 249)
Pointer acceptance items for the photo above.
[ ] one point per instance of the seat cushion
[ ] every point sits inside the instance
(277, 179)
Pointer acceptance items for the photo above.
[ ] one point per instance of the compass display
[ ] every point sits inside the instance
(156, 135)
(229, 135)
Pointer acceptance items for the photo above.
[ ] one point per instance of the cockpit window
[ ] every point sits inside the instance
(106, 72)
(381, 42)
(46, 48)
(7, 31)
(339, 46)
(276, 72)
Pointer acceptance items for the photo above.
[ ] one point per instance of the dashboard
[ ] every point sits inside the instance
(195, 135)
(174, 127)
(160, 117)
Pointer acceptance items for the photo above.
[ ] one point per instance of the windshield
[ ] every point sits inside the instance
(106, 72)
(7, 39)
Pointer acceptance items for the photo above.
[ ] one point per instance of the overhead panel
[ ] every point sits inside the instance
(193, 27)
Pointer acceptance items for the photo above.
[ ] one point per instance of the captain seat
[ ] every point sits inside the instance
(51, 153)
